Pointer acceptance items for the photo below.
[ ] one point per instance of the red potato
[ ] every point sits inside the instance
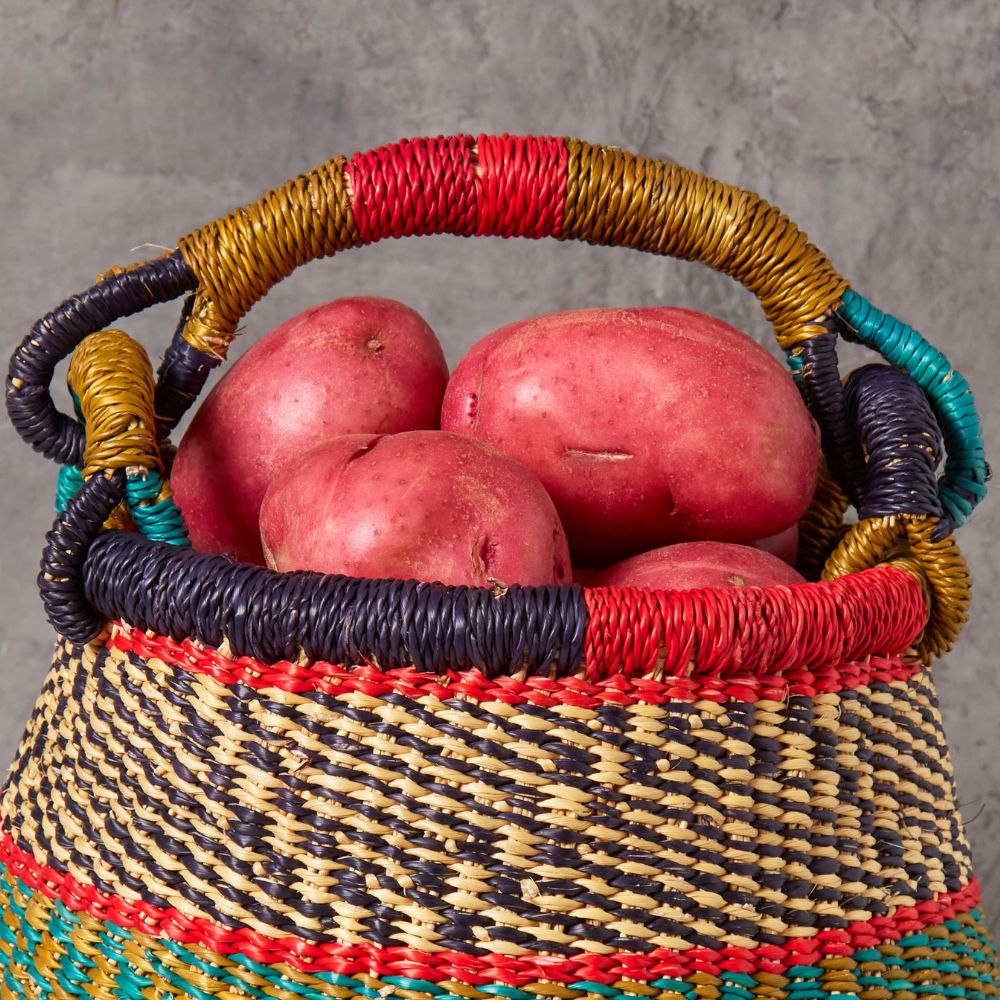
(690, 565)
(355, 365)
(784, 545)
(646, 426)
(422, 505)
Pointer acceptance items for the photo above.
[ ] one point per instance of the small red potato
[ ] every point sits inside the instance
(355, 365)
(646, 426)
(421, 505)
(690, 565)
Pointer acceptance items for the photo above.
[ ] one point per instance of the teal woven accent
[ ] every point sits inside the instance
(422, 986)
(69, 481)
(160, 520)
(963, 484)
(677, 985)
(266, 972)
(136, 983)
(796, 363)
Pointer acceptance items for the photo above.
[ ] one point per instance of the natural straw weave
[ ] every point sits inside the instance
(239, 783)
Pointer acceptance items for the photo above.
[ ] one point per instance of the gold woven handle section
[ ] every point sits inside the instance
(111, 376)
(618, 198)
(240, 257)
(906, 541)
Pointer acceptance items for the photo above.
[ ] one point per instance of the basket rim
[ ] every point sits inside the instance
(560, 630)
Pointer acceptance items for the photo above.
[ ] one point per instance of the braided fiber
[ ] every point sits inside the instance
(468, 186)
(616, 198)
(56, 334)
(111, 376)
(823, 392)
(240, 257)
(945, 949)
(535, 630)
(937, 563)
(901, 439)
(521, 185)
(415, 187)
(488, 828)
(546, 692)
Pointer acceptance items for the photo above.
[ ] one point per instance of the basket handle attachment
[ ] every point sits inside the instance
(902, 512)
(111, 381)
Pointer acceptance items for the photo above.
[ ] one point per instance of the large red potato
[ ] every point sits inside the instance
(689, 565)
(646, 426)
(423, 505)
(355, 365)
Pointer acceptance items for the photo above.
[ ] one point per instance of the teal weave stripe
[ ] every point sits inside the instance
(19, 974)
(69, 481)
(965, 473)
(160, 520)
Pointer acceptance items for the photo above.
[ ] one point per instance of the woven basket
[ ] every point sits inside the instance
(239, 783)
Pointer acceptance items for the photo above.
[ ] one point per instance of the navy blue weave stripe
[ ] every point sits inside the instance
(54, 337)
(276, 616)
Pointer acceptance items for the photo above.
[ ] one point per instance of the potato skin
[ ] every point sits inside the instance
(646, 426)
(354, 365)
(691, 565)
(421, 505)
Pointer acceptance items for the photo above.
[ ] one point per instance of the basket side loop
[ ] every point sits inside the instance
(902, 441)
(54, 337)
(937, 564)
(902, 519)
(111, 380)
(61, 579)
(966, 471)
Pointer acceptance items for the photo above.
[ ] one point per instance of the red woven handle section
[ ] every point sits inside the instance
(486, 186)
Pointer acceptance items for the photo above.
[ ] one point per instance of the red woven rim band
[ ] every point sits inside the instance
(545, 692)
(475, 969)
(751, 630)
(486, 186)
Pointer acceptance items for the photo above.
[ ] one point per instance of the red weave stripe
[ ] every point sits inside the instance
(752, 631)
(476, 969)
(546, 692)
(522, 185)
(493, 185)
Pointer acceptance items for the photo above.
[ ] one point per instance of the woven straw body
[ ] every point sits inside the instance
(181, 823)
(240, 783)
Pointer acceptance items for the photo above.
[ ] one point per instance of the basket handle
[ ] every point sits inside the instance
(505, 186)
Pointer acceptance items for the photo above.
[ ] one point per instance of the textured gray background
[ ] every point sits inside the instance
(875, 126)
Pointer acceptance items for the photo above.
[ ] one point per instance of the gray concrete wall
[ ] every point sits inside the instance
(876, 126)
